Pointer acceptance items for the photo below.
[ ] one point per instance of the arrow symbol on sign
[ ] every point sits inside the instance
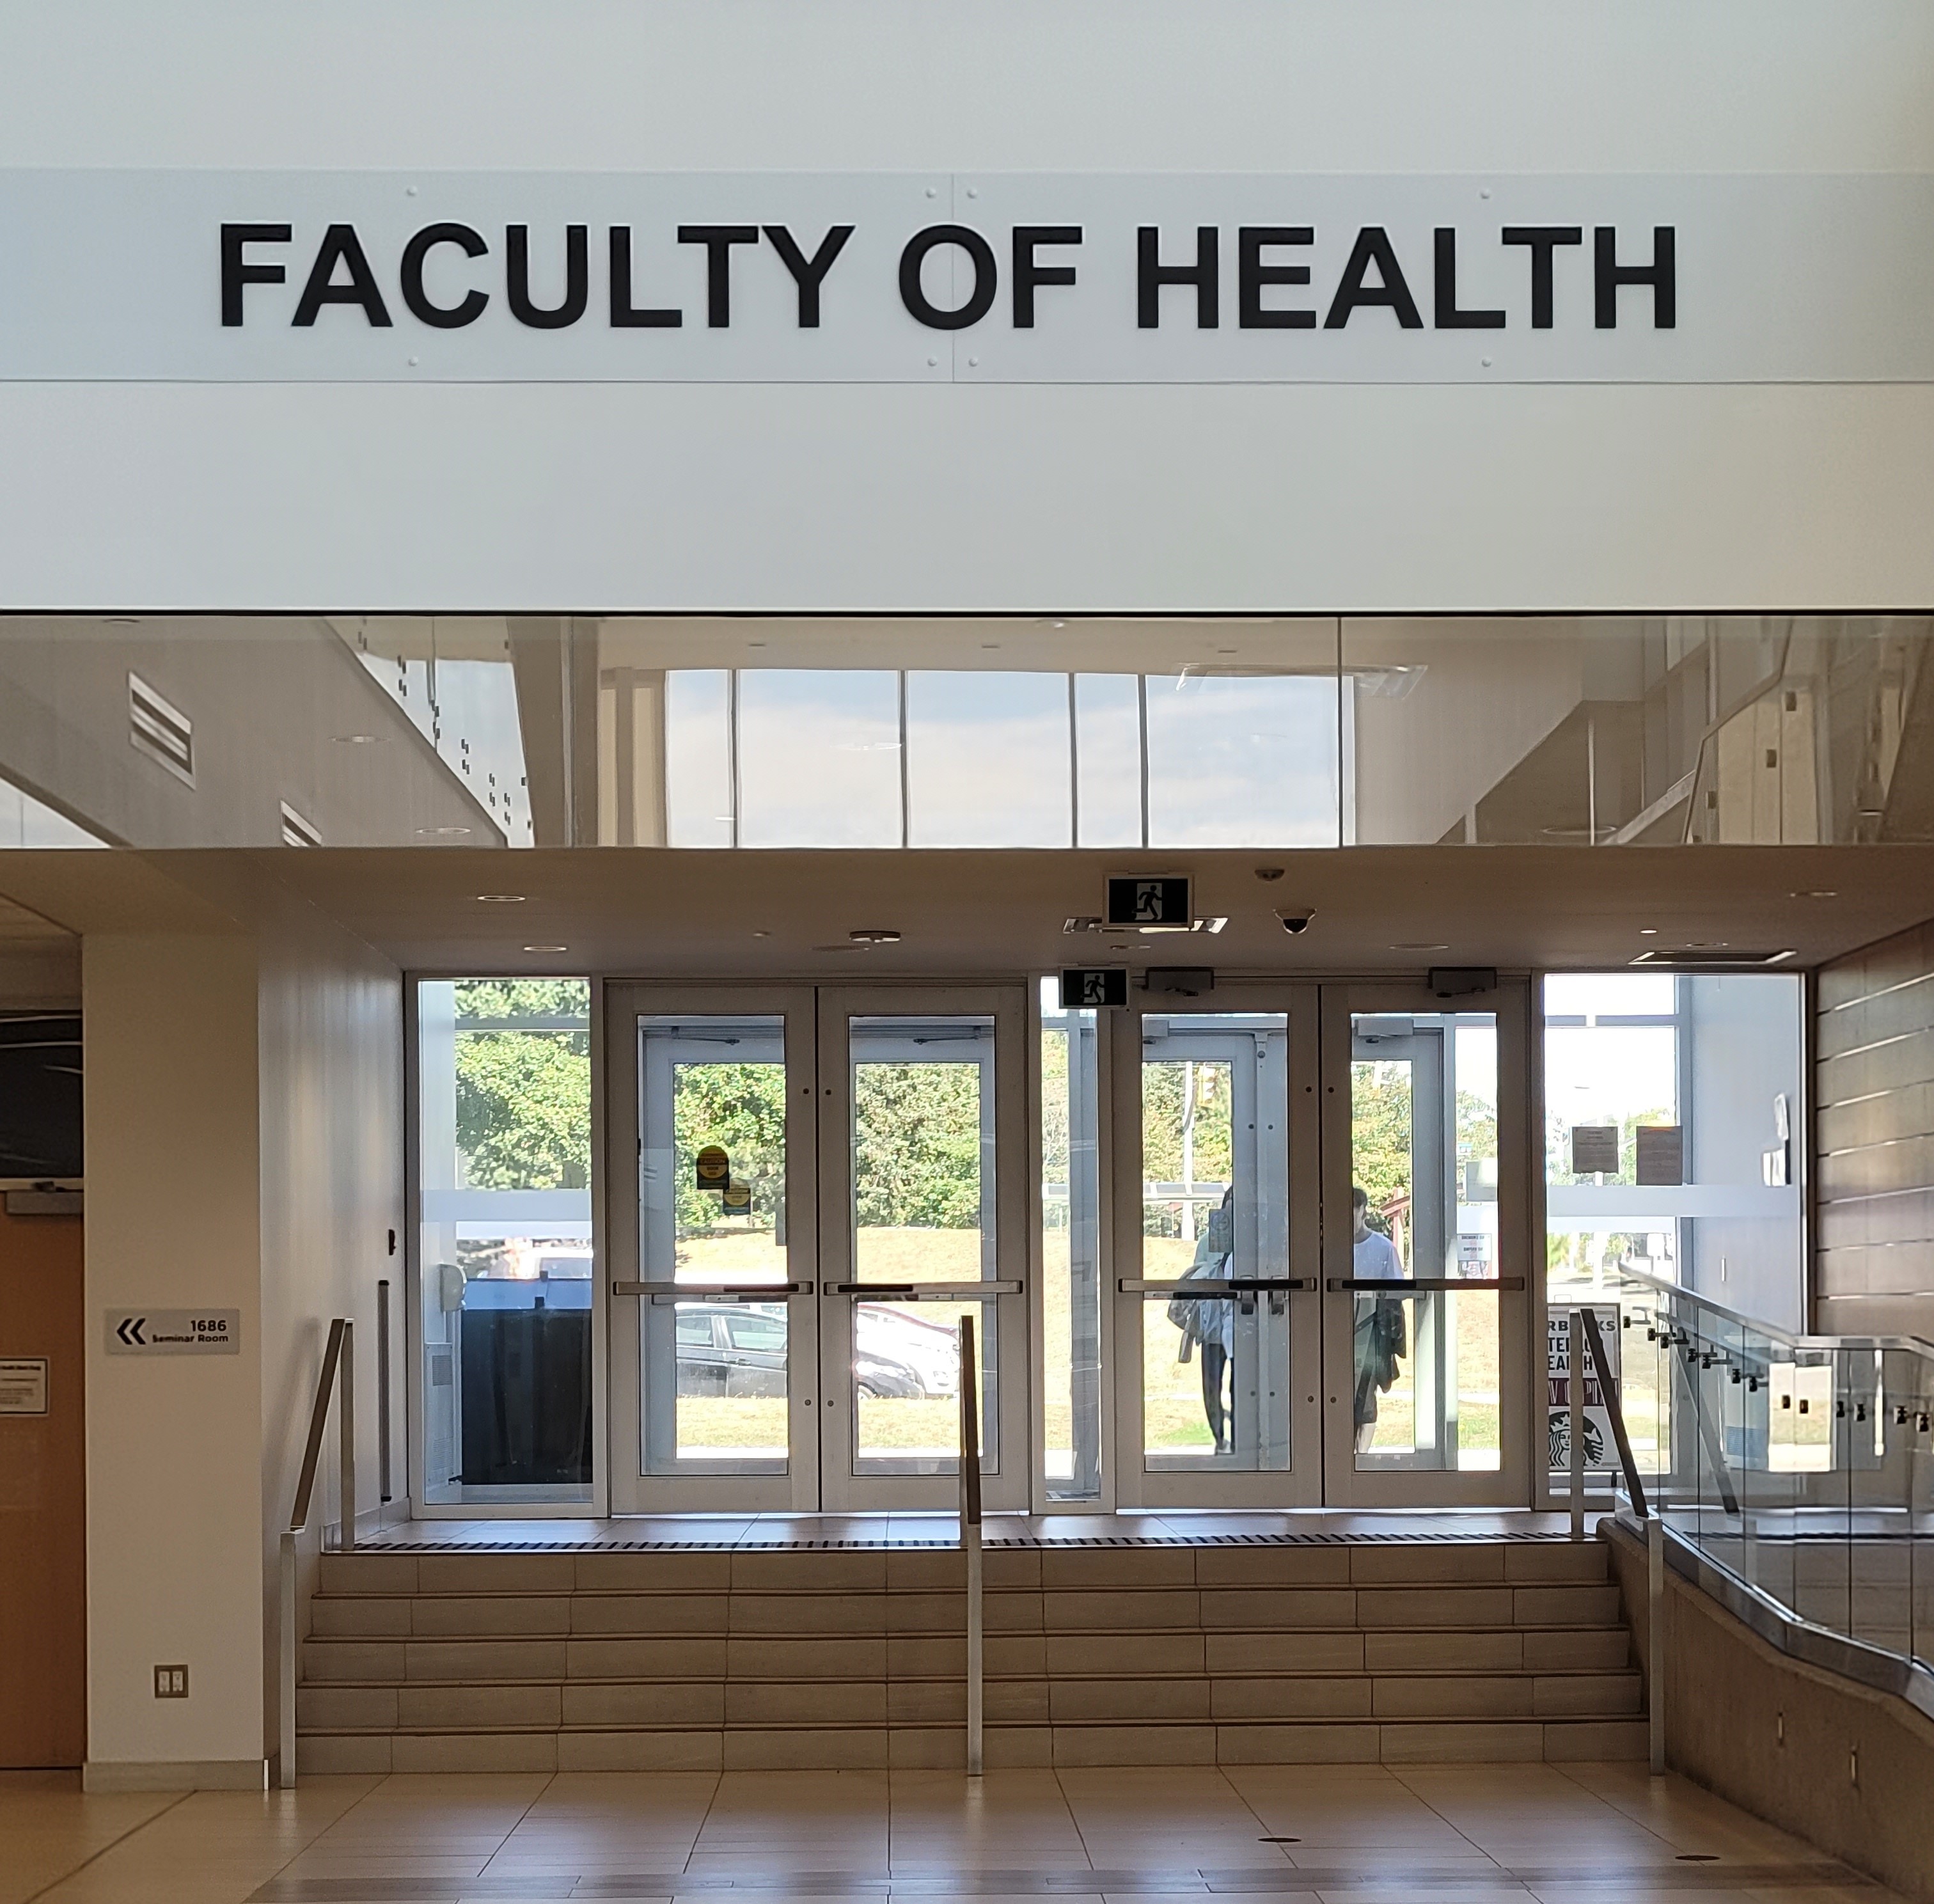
(130, 1331)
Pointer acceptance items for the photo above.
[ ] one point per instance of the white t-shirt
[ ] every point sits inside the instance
(1375, 1256)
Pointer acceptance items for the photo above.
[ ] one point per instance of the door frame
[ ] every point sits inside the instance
(1008, 1485)
(1512, 1483)
(1300, 1483)
(632, 1490)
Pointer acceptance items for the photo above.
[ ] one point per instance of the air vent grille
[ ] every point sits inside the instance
(296, 830)
(160, 729)
(1697, 958)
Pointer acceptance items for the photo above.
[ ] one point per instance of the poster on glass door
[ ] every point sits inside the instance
(1560, 1366)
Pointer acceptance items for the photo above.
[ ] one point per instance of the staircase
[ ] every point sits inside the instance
(674, 1658)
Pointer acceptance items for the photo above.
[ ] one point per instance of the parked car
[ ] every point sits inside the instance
(740, 1348)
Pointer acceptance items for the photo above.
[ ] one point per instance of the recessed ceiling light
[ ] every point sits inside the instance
(875, 935)
(762, 934)
(1211, 925)
(443, 833)
(500, 899)
(1417, 945)
(1647, 931)
(356, 739)
(1815, 892)
(547, 948)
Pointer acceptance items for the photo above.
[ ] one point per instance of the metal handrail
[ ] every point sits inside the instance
(970, 1537)
(337, 1378)
(1584, 1331)
(1787, 1338)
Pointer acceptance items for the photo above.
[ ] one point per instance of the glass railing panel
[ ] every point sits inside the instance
(1881, 1433)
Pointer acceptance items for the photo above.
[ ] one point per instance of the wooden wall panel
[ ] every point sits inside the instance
(43, 1502)
(1874, 1139)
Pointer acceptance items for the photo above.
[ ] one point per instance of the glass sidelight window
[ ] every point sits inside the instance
(1423, 1210)
(1071, 1254)
(504, 1266)
(1215, 1214)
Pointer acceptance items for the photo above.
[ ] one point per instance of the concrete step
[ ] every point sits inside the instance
(589, 1659)
(682, 1571)
(775, 1747)
(1450, 1608)
(550, 1705)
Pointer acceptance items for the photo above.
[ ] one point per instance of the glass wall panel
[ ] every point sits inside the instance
(504, 1268)
(715, 732)
(1674, 1151)
(1242, 760)
(818, 758)
(988, 759)
(1070, 1199)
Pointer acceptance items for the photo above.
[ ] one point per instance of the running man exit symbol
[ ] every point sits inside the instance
(1091, 989)
(1150, 905)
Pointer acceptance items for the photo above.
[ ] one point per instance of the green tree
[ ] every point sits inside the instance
(917, 1146)
(741, 1108)
(523, 1097)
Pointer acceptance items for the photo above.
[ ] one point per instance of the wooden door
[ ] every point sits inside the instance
(42, 1499)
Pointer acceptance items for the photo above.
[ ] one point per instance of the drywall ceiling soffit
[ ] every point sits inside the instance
(112, 890)
(1096, 644)
(754, 913)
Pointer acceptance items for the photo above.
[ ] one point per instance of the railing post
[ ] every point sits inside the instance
(346, 1416)
(1574, 1358)
(1655, 1568)
(383, 1391)
(970, 1535)
(286, 1698)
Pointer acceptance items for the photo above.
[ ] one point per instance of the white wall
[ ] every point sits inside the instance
(522, 497)
(174, 1549)
(244, 1151)
(331, 1150)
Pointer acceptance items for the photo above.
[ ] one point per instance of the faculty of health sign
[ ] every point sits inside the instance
(964, 278)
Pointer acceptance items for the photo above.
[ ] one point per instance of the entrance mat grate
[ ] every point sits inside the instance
(605, 1543)
(932, 1881)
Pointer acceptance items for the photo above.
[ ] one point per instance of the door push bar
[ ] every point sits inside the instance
(1423, 1284)
(921, 1292)
(1206, 1290)
(713, 1292)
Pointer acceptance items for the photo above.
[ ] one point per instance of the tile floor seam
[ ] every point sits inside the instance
(1643, 1823)
(1396, 1772)
(140, 1824)
(1081, 1836)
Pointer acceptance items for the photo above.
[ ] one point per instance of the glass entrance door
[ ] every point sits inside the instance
(824, 1184)
(1425, 1263)
(1321, 1244)
(1216, 1337)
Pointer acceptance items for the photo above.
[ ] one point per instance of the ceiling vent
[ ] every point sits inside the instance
(1699, 958)
(296, 830)
(160, 729)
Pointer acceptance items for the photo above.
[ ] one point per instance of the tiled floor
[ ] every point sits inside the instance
(736, 1531)
(1465, 1834)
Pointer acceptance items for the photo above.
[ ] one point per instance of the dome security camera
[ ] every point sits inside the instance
(1296, 918)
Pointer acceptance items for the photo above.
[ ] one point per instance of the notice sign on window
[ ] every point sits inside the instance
(1594, 1148)
(1566, 1361)
(1662, 1153)
(23, 1385)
